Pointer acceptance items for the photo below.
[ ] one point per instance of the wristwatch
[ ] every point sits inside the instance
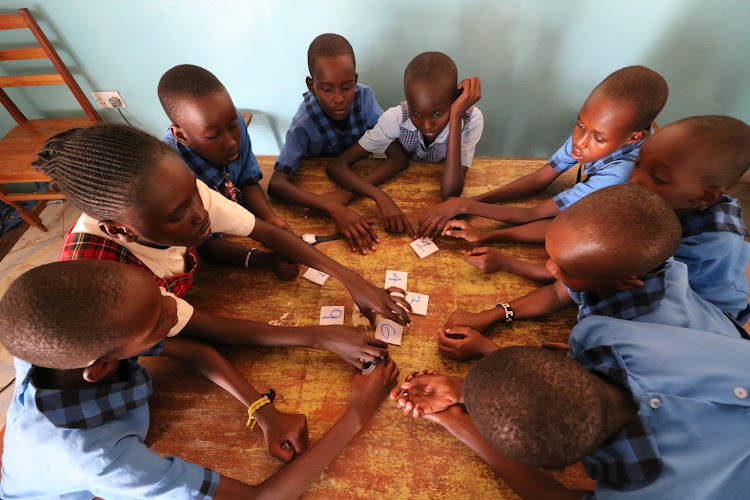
(312, 239)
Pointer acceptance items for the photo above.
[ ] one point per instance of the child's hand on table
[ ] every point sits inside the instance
(487, 260)
(350, 344)
(394, 219)
(281, 267)
(340, 196)
(372, 300)
(435, 219)
(463, 230)
(285, 433)
(462, 343)
(427, 392)
(478, 321)
(368, 391)
(355, 229)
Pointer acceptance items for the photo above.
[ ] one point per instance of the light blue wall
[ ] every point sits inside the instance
(538, 59)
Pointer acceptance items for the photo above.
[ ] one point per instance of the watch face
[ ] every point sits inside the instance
(309, 238)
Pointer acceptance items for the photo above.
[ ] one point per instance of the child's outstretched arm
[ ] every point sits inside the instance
(291, 481)
(541, 301)
(356, 230)
(522, 187)
(258, 204)
(223, 252)
(339, 169)
(371, 300)
(435, 219)
(285, 433)
(348, 343)
(452, 183)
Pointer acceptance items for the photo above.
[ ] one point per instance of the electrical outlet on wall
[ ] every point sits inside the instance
(109, 99)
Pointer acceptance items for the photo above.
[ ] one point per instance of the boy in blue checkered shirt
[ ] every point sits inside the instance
(691, 163)
(79, 415)
(335, 112)
(651, 411)
(611, 254)
(210, 135)
(437, 122)
(610, 129)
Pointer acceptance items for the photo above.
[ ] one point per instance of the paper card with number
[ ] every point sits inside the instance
(318, 277)
(389, 331)
(332, 315)
(424, 247)
(396, 278)
(418, 303)
(370, 369)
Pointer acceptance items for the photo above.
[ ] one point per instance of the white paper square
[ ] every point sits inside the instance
(332, 315)
(424, 247)
(396, 278)
(418, 303)
(389, 331)
(318, 277)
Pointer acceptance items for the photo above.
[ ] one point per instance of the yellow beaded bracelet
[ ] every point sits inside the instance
(265, 399)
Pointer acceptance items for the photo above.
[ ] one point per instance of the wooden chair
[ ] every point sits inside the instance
(19, 147)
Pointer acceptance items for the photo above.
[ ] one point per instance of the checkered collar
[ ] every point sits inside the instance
(630, 459)
(724, 215)
(91, 407)
(356, 124)
(627, 149)
(626, 304)
(215, 177)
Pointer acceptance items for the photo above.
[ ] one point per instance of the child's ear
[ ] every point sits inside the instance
(628, 283)
(637, 136)
(310, 87)
(118, 231)
(100, 368)
(711, 195)
(179, 135)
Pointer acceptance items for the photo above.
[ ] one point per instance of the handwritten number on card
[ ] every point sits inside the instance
(386, 330)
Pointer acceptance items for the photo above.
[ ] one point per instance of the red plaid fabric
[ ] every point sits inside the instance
(78, 246)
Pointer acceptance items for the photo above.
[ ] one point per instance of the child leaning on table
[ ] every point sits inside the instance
(79, 415)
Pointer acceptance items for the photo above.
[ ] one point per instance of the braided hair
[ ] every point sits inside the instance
(102, 169)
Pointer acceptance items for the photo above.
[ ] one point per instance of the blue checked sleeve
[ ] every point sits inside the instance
(295, 147)
(372, 108)
(612, 174)
(131, 469)
(249, 171)
(561, 161)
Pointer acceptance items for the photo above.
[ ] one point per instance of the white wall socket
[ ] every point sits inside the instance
(109, 99)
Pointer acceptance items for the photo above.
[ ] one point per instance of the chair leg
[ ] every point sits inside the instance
(27, 215)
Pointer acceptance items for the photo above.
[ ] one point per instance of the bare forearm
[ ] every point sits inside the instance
(282, 189)
(224, 252)
(452, 183)
(520, 188)
(541, 301)
(340, 170)
(510, 214)
(257, 203)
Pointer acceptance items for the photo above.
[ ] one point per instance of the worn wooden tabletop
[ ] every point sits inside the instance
(395, 456)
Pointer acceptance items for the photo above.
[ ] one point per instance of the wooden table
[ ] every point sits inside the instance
(395, 456)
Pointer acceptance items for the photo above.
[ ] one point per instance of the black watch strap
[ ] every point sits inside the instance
(320, 239)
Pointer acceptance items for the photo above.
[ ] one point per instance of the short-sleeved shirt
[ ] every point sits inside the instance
(396, 124)
(688, 439)
(81, 443)
(312, 133)
(225, 216)
(228, 180)
(608, 171)
(665, 299)
(714, 249)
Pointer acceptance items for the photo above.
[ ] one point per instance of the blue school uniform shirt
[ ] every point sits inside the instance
(608, 171)
(243, 172)
(312, 133)
(81, 443)
(714, 249)
(665, 299)
(688, 439)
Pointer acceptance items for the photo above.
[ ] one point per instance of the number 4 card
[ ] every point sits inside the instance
(396, 278)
